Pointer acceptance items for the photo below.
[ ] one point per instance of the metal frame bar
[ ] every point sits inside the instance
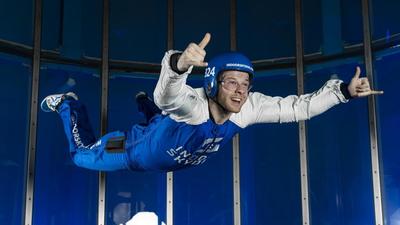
(302, 124)
(235, 140)
(170, 198)
(233, 25)
(170, 175)
(236, 181)
(104, 106)
(170, 25)
(50, 56)
(30, 177)
(372, 116)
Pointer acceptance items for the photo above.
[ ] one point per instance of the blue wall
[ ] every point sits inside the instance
(339, 158)
(340, 180)
(14, 94)
(270, 163)
(387, 70)
(63, 191)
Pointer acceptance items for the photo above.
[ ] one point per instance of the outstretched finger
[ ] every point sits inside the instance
(358, 72)
(205, 40)
(376, 92)
(368, 93)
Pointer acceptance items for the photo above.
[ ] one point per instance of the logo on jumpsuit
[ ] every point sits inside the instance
(75, 133)
(185, 157)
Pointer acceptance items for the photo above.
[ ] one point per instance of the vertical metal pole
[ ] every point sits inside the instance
(170, 28)
(233, 26)
(235, 141)
(302, 124)
(372, 116)
(236, 181)
(104, 106)
(170, 198)
(30, 176)
(170, 175)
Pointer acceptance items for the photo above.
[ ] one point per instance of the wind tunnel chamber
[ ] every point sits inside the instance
(341, 167)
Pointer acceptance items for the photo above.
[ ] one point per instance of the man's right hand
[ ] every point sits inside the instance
(194, 54)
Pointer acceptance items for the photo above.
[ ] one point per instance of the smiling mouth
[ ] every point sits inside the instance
(236, 100)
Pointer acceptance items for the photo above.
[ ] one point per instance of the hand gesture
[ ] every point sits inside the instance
(359, 87)
(194, 54)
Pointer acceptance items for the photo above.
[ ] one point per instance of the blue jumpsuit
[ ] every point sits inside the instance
(184, 135)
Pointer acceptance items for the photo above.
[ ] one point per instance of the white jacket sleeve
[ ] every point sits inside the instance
(260, 108)
(174, 97)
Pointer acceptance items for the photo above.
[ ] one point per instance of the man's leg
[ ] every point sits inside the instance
(146, 106)
(107, 154)
(84, 149)
(76, 125)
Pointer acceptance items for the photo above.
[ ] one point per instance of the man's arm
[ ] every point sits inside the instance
(261, 108)
(266, 109)
(171, 94)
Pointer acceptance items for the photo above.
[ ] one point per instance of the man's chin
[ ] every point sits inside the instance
(234, 109)
(231, 108)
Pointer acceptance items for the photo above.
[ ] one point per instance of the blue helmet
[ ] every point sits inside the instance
(223, 62)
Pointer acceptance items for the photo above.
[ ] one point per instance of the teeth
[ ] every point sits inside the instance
(236, 99)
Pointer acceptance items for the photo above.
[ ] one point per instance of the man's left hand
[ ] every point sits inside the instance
(359, 87)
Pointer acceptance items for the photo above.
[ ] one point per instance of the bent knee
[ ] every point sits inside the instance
(84, 160)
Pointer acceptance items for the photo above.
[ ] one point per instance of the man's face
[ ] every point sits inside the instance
(233, 90)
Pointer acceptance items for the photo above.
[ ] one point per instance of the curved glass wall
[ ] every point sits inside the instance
(209, 16)
(340, 176)
(63, 192)
(16, 21)
(387, 67)
(15, 96)
(52, 19)
(266, 30)
(72, 28)
(313, 26)
(385, 19)
(269, 162)
(351, 22)
(339, 157)
(138, 30)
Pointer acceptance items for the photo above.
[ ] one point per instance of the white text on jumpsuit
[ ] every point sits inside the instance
(184, 157)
